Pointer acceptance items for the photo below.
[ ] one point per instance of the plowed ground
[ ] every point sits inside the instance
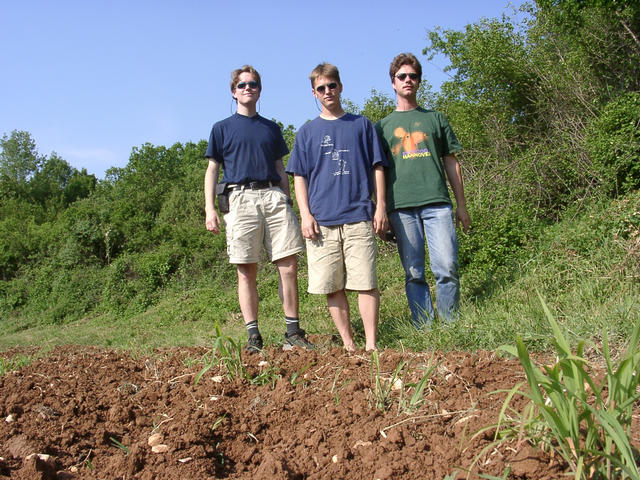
(93, 412)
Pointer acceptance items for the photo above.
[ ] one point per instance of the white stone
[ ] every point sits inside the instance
(160, 448)
(155, 439)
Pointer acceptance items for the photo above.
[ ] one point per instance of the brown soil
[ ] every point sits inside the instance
(93, 412)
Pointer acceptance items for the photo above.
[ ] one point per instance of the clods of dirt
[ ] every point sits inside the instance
(81, 412)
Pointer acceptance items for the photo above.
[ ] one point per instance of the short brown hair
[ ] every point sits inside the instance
(405, 59)
(324, 70)
(235, 76)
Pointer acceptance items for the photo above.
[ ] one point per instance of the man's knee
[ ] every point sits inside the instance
(287, 265)
(247, 272)
(415, 274)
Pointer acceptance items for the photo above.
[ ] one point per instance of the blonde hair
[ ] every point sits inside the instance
(324, 70)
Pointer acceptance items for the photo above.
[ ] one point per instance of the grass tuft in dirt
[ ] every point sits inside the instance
(586, 422)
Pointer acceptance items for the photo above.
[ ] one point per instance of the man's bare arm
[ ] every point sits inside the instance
(454, 174)
(212, 221)
(380, 221)
(310, 228)
(284, 179)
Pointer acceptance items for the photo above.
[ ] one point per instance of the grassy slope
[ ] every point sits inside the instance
(586, 267)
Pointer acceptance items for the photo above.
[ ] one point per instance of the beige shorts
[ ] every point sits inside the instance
(343, 257)
(261, 218)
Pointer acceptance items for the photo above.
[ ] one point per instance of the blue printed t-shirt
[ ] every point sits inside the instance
(337, 158)
(247, 148)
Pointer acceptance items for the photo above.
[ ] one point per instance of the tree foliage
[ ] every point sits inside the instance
(545, 105)
(523, 92)
(19, 160)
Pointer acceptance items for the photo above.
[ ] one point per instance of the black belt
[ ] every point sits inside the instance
(252, 185)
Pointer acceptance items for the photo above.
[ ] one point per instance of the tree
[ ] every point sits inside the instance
(288, 132)
(375, 108)
(19, 161)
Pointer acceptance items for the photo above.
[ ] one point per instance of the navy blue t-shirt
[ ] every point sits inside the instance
(337, 158)
(247, 148)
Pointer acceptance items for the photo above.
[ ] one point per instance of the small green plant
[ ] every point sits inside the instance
(417, 398)
(228, 352)
(218, 421)
(335, 388)
(383, 387)
(86, 461)
(189, 361)
(119, 445)
(225, 351)
(588, 424)
(298, 377)
(267, 376)
(409, 396)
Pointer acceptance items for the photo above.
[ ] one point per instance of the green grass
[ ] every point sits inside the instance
(586, 422)
(16, 362)
(585, 267)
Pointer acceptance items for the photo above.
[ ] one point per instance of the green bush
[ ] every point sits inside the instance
(499, 236)
(134, 281)
(613, 141)
(48, 294)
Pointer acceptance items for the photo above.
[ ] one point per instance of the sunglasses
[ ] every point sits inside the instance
(243, 85)
(330, 86)
(402, 76)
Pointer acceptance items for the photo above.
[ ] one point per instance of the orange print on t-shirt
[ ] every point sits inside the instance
(410, 140)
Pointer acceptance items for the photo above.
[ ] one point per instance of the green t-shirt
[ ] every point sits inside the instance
(415, 143)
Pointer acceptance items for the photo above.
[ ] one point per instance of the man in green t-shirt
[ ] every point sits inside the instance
(420, 147)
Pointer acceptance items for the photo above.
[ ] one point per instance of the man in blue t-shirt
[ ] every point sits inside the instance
(338, 164)
(250, 150)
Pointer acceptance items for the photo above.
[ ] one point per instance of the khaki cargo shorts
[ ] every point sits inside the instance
(261, 218)
(343, 257)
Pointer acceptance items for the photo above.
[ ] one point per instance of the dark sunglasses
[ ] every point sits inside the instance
(402, 76)
(330, 86)
(251, 84)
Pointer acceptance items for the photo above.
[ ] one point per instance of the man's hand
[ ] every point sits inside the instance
(380, 222)
(310, 228)
(462, 217)
(212, 222)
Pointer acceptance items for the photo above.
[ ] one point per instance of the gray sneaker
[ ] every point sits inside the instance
(297, 339)
(254, 345)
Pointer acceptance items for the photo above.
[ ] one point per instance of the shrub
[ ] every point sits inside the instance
(499, 236)
(613, 141)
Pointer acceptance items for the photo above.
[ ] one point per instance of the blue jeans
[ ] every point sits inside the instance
(410, 226)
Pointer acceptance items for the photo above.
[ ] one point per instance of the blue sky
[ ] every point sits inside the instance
(91, 79)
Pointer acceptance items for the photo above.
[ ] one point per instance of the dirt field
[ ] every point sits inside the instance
(94, 413)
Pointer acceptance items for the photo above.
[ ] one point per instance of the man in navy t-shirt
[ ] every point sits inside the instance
(250, 148)
(337, 162)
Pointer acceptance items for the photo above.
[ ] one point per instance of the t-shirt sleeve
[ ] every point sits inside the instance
(281, 148)
(214, 150)
(295, 165)
(377, 152)
(451, 142)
